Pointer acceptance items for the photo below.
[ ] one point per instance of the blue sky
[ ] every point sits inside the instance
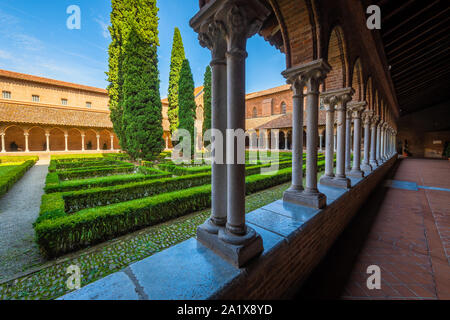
(35, 40)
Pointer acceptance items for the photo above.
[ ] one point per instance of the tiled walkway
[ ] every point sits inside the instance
(405, 230)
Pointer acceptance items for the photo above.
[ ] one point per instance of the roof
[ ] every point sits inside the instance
(253, 123)
(53, 115)
(197, 91)
(27, 77)
(268, 91)
(285, 121)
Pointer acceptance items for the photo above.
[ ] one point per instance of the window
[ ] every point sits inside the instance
(35, 98)
(283, 108)
(6, 95)
(88, 105)
(64, 102)
(255, 112)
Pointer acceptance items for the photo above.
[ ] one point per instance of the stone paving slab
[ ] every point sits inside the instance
(19, 208)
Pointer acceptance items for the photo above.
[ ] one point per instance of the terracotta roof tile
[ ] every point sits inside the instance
(27, 77)
(46, 115)
(285, 121)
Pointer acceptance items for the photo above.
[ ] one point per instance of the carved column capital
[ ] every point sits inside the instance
(213, 37)
(310, 74)
(367, 117)
(357, 108)
(341, 96)
(375, 119)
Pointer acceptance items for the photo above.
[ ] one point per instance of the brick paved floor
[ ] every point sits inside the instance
(404, 232)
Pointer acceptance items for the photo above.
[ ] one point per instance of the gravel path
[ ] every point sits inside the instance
(19, 208)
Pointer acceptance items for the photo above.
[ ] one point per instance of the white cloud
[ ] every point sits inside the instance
(104, 27)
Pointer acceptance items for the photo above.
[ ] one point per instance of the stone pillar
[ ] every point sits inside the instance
(297, 138)
(357, 108)
(373, 141)
(98, 142)
(112, 143)
(82, 141)
(266, 140)
(385, 142)
(348, 140)
(286, 140)
(378, 158)
(47, 141)
(26, 134)
(367, 117)
(3, 141)
(66, 144)
(213, 36)
(320, 142)
(311, 74)
(236, 242)
(330, 102)
(334, 141)
(277, 140)
(339, 98)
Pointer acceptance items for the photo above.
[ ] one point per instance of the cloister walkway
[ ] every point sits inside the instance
(19, 208)
(404, 229)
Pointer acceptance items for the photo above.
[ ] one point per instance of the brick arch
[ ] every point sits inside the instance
(298, 24)
(14, 136)
(105, 139)
(338, 59)
(90, 136)
(368, 93)
(357, 81)
(74, 139)
(57, 139)
(37, 141)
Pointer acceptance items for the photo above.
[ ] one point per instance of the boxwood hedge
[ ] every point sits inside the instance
(9, 175)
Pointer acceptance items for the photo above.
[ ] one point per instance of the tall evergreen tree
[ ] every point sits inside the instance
(142, 116)
(176, 62)
(207, 100)
(186, 102)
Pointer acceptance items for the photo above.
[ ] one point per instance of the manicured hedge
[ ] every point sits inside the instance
(7, 159)
(58, 232)
(9, 175)
(54, 185)
(94, 172)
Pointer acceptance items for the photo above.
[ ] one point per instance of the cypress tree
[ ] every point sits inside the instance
(186, 102)
(207, 100)
(141, 103)
(176, 62)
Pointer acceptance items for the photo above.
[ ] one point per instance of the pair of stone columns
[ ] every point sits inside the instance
(336, 102)
(309, 75)
(356, 109)
(224, 27)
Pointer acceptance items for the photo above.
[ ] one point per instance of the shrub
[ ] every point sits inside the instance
(9, 175)
(94, 172)
(6, 159)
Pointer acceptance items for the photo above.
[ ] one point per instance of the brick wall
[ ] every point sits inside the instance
(281, 271)
(264, 104)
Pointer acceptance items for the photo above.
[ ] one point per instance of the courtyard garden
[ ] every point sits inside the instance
(104, 212)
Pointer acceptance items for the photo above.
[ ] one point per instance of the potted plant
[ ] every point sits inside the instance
(447, 150)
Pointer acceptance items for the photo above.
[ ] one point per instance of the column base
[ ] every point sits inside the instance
(236, 254)
(366, 168)
(356, 173)
(373, 164)
(314, 200)
(210, 227)
(338, 182)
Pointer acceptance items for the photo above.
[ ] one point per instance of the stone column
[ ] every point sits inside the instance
(277, 139)
(385, 142)
(98, 142)
(357, 108)
(266, 139)
(82, 141)
(334, 141)
(367, 117)
(378, 158)
(320, 142)
(344, 96)
(213, 37)
(112, 143)
(286, 140)
(348, 140)
(330, 102)
(237, 242)
(26, 134)
(3, 141)
(47, 141)
(66, 144)
(297, 138)
(373, 141)
(312, 74)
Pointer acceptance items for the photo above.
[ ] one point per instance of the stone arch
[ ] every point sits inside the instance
(357, 81)
(37, 141)
(90, 140)
(74, 139)
(338, 59)
(57, 139)
(14, 138)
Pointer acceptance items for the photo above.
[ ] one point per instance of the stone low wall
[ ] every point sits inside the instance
(280, 272)
(295, 240)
